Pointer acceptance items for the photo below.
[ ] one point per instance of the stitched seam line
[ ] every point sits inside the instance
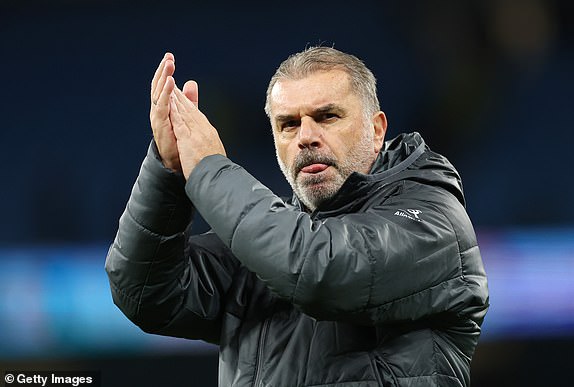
(154, 256)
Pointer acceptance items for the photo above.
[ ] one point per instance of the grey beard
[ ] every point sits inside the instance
(360, 159)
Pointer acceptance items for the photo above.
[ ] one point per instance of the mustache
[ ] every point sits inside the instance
(307, 157)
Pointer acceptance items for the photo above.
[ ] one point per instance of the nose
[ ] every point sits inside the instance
(310, 134)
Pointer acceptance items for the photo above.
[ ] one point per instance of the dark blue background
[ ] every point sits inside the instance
(489, 84)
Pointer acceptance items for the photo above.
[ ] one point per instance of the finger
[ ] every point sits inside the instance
(184, 103)
(179, 127)
(167, 63)
(168, 87)
(159, 69)
(157, 74)
(168, 71)
(191, 91)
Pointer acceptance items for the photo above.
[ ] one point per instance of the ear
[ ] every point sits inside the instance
(380, 129)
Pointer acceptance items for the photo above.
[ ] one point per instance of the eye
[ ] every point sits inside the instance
(328, 117)
(288, 126)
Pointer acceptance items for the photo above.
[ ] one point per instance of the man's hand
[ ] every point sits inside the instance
(196, 137)
(162, 86)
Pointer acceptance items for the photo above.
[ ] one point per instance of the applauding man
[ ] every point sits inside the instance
(370, 275)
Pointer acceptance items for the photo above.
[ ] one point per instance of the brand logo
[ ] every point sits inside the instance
(409, 213)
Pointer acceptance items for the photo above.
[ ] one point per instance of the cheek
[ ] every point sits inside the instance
(282, 151)
(340, 143)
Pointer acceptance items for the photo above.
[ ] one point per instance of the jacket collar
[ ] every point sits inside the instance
(404, 157)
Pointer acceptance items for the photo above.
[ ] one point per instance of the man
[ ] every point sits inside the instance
(369, 276)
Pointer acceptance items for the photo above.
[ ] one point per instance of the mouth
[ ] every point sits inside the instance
(314, 168)
(313, 164)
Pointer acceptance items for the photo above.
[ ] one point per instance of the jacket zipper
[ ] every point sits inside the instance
(259, 359)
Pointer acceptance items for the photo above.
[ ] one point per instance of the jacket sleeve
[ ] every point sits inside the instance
(369, 267)
(163, 283)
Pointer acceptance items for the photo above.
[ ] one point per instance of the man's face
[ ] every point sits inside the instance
(321, 134)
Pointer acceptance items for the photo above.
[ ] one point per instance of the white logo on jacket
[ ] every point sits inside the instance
(409, 213)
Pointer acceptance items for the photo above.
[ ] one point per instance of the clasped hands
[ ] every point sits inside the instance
(183, 134)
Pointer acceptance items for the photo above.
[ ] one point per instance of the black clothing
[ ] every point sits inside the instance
(382, 286)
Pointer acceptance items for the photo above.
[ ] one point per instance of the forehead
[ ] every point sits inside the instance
(315, 90)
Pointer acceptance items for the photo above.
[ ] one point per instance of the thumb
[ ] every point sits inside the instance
(190, 90)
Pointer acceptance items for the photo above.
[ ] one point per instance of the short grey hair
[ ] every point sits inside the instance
(314, 59)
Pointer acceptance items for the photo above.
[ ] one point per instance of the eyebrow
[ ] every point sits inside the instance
(328, 108)
(320, 110)
(284, 117)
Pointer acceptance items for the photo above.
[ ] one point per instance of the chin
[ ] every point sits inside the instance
(317, 194)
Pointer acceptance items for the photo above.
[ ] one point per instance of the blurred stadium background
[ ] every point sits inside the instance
(488, 83)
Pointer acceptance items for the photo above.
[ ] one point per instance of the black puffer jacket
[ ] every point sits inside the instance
(384, 286)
